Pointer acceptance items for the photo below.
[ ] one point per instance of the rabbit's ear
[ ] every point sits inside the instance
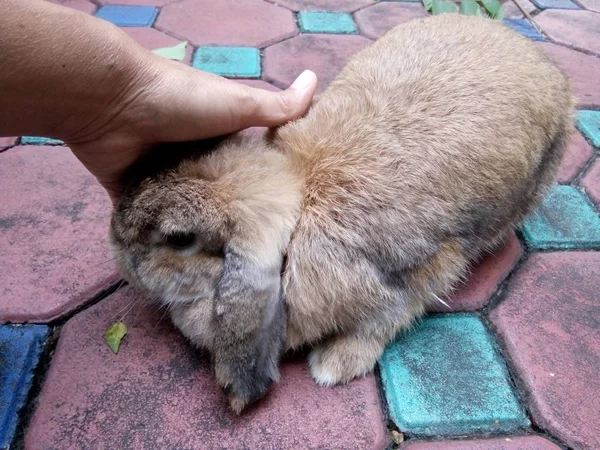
(250, 324)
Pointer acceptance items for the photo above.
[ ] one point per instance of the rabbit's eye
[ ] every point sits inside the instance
(180, 241)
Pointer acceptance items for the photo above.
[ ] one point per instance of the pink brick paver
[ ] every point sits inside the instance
(375, 20)
(7, 141)
(577, 29)
(549, 325)
(326, 55)
(152, 39)
(137, 2)
(500, 443)
(80, 5)
(324, 5)
(583, 71)
(511, 11)
(592, 5)
(576, 157)
(249, 23)
(591, 182)
(484, 279)
(160, 393)
(53, 229)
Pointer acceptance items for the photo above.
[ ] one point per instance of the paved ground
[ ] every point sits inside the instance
(514, 365)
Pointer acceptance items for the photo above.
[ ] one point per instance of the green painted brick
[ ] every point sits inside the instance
(588, 123)
(564, 220)
(445, 377)
(38, 140)
(326, 22)
(238, 62)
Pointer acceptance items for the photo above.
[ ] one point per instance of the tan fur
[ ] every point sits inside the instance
(428, 149)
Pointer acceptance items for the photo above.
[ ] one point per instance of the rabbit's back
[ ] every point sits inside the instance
(443, 134)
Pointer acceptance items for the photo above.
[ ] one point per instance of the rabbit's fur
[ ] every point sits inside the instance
(428, 149)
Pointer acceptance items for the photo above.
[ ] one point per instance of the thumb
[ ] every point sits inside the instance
(276, 108)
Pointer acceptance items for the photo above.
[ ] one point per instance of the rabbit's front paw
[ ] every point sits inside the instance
(343, 358)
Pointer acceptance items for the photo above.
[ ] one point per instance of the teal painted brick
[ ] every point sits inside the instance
(588, 123)
(240, 62)
(446, 377)
(38, 140)
(326, 22)
(564, 220)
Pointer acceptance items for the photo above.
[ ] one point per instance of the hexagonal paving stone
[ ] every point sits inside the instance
(326, 55)
(592, 5)
(20, 350)
(591, 182)
(565, 220)
(376, 20)
(484, 280)
(326, 22)
(53, 233)
(7, 141)
(137, 2)
(578, 29)
(583, 71)
(511, 11)
(549, 324)
(39, 140)
(324, 5)
(589, 124)
(445, 377)
(128, 16)
(575, 158)
(239, 62)
(555, 4)
(524, 27)
(152, 39)
(157, 392)
(252, 23)
(80, 5)
(500, 443)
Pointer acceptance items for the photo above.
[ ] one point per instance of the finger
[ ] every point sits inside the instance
(276, 108)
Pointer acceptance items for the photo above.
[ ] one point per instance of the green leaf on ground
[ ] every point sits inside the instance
(442, 7)
(177, 52)
(428, 4)
(114, 334)
(494, 8)
(469, 8)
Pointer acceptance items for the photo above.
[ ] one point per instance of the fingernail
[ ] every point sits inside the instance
(305, 79)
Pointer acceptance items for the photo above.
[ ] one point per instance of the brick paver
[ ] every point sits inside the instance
(53, 229)
(128, 16)
(376, 20)
(157, 392)
(591, 182)
(549, 325)
(588, 123)
(152, 39)
(576, 157)
(446, 377)
(326, 22)
(506, 443)
(577, 29)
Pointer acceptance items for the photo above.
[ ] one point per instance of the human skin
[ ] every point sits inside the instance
(70, 76)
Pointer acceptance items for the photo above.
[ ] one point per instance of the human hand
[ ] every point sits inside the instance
(171, 102)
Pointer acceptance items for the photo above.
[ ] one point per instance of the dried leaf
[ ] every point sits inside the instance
(114, 334)
(176, 53)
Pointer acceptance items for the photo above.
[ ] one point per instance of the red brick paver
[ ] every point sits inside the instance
(578, 29)
(549, 325)
(375, 20)
(151, 39)
(324, 5)
(253, 23)
(324, 54)
(591, 182)
(508, 443)
(157, 392)
(575, 158)
(54, 225)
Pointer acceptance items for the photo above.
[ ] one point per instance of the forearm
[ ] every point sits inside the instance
(61, 69)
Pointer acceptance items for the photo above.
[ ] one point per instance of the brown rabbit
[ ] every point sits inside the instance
(428, 149)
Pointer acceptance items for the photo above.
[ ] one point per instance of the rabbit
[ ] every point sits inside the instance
(337, 230)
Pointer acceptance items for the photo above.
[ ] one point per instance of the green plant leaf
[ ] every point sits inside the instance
(469, 8)
(114, 334)
(428, 4)
(442, 7)
(494, 8)
(177, 52)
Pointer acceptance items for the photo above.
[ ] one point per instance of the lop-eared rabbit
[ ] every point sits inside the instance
(338, 229)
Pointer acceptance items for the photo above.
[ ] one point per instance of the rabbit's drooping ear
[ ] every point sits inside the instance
(250, 324)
